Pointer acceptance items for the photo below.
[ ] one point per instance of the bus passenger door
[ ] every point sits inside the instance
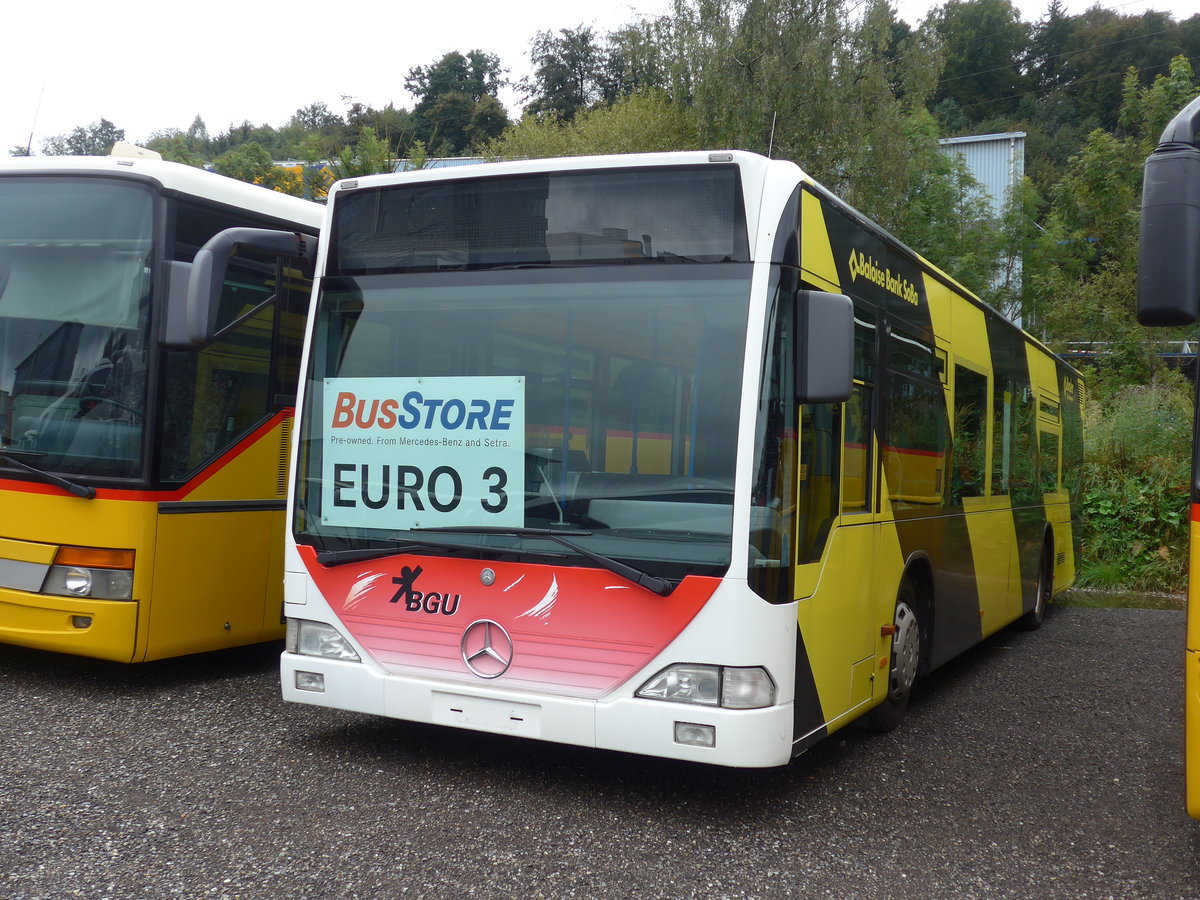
(838, 537)
(992, 536)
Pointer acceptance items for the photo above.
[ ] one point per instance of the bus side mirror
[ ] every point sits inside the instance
(192, 320)
(1169, 251)
(824, 348)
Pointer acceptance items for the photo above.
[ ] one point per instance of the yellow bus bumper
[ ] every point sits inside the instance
(104, 629)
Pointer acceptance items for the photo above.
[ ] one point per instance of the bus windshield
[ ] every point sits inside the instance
(74, 314)
(598, 402)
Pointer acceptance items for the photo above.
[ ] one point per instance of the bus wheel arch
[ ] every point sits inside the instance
(908, 659)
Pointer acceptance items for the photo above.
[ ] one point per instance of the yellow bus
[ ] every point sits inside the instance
(142, 470)
(1169, 294)
(674, 454)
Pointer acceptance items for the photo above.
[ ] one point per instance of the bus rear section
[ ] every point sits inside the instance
(143, 476)
(652, 454)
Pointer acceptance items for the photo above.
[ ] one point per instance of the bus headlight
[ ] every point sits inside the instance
(91, 572)
(732, 687)
(318, 639)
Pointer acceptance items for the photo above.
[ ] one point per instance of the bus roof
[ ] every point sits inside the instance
(178, 178)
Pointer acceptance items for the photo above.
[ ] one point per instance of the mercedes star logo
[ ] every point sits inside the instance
(487, 649)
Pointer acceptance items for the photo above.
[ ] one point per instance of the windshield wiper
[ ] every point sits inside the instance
(643, 579)
(366, 554)
(84, 491)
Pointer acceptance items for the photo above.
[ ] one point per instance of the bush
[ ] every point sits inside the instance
(1135, 500)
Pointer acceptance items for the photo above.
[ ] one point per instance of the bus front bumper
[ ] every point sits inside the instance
(103, 629)
(753, 738)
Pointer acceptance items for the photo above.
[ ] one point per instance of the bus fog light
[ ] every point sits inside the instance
(749, 688)
(310, 681)
(318, 639)
(695, 735)
(684, 683)
(81, 621)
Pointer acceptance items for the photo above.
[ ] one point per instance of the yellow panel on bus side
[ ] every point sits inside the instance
(218, 579)
(816, 252)
(852, 595)
(211, 583)
(838, 621)
(258, 471)
(993, 535)
(36, 523)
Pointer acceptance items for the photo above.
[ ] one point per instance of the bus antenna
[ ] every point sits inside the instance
(33, 127)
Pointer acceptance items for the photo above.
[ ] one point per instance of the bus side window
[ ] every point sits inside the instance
(1049, 465)
(820, 432)
(857, 444)
(916, 441)
(969, 457)
(1002, 435)
(215, 395)
(773, 509)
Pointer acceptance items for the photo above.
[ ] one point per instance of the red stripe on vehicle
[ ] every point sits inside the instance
(575, 631)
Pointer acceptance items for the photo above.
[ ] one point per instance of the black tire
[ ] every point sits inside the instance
(1032, 620)
(904, 663)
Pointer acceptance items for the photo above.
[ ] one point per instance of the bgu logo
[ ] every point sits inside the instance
(416, 601)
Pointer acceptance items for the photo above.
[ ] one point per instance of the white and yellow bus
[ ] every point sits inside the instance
(674, 454)
(142, 468)
(1169, 294)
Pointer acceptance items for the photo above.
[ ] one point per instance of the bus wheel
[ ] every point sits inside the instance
(906, 656)
(1032, 620)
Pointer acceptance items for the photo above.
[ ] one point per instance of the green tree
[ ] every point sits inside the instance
(1050, 61)
(96, 139)
(1105, 45)
(985, 44)
(474, 74)
(567, 73)
(1085, 275)
(175, 145)
(391, 124)
(448, 92)
(639, 123)
(488, 121)
(252, 163)
(370, 155)
(265, 136)
(632, 62)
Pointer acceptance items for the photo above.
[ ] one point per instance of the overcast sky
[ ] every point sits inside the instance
(149, 65)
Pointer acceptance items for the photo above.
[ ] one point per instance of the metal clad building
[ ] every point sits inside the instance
(996, 161)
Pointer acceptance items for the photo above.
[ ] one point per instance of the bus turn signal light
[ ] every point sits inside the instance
(94, 558)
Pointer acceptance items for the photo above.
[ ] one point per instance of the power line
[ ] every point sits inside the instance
(1073, 83)
(1066, 53)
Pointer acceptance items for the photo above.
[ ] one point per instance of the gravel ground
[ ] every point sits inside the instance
(1044, 765)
